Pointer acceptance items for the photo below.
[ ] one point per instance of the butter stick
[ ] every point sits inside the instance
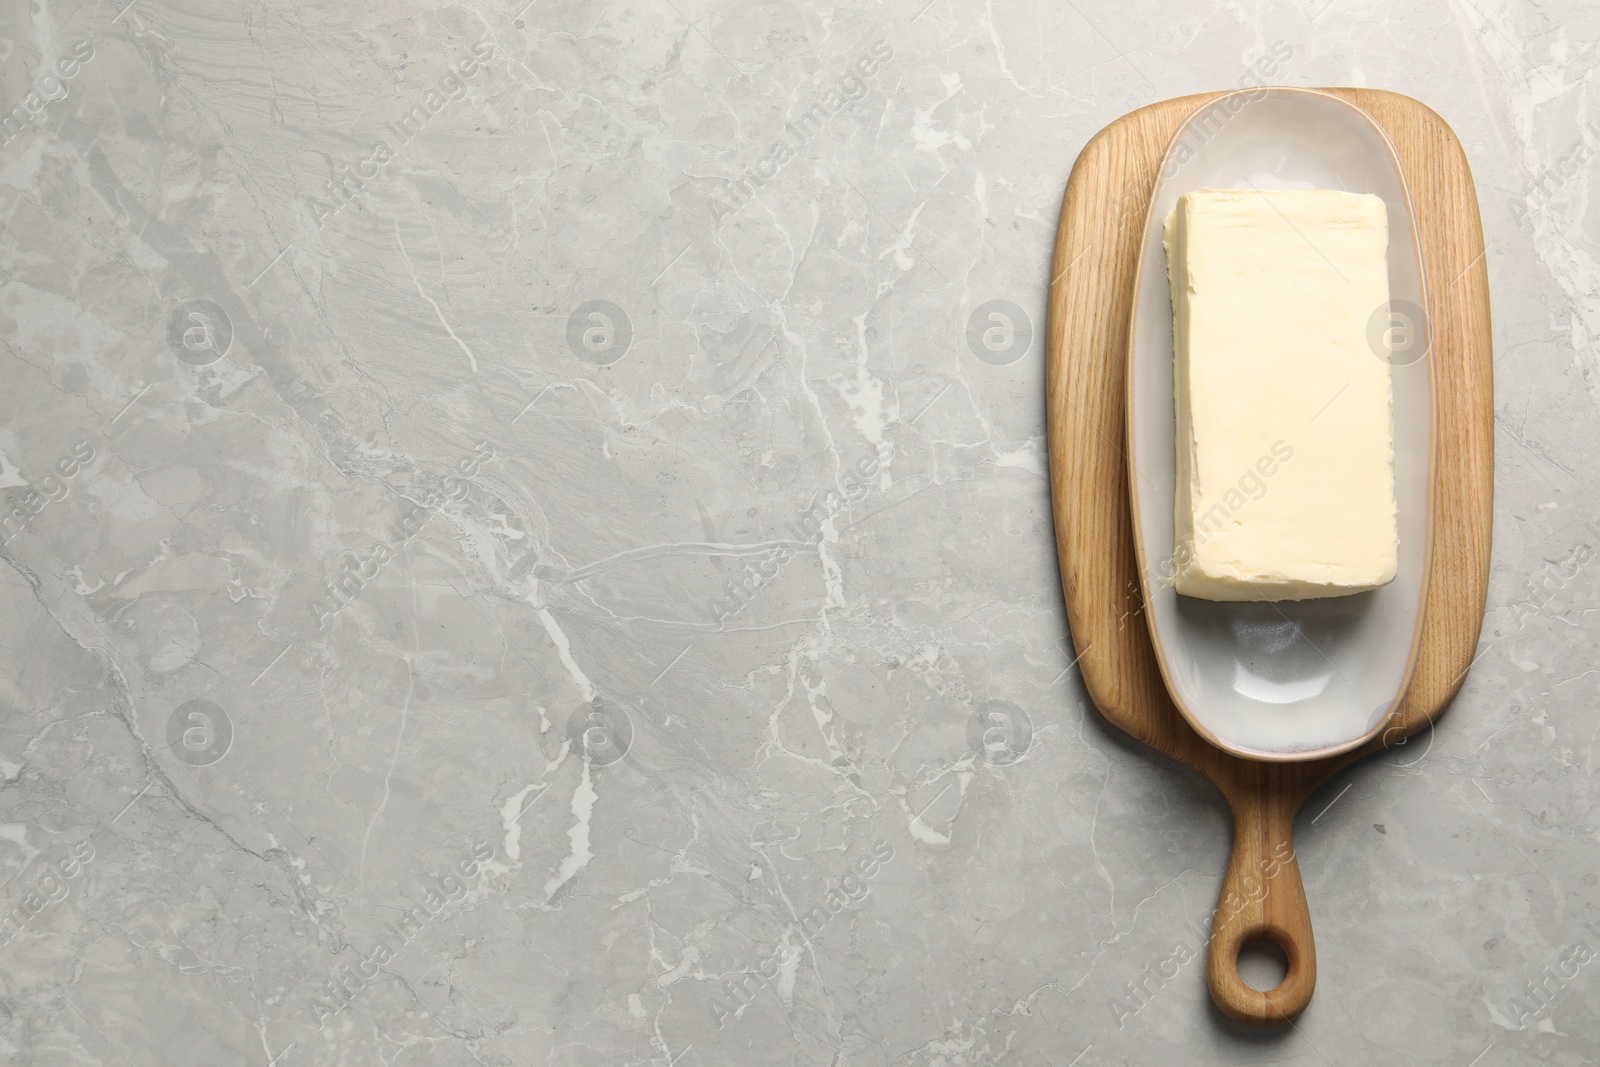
(1285, 435)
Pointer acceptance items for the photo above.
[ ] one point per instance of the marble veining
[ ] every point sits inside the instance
(526, 540)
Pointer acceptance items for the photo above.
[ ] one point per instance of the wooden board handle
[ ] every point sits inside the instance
(1262, 898)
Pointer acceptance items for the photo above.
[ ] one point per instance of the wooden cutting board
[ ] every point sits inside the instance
(1091, 295)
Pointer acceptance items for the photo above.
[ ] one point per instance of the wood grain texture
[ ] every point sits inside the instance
(1091, 294)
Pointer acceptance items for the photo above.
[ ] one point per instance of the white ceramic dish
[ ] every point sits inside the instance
(1287, 680)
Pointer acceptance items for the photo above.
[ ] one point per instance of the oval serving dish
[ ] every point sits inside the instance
(1282, 680)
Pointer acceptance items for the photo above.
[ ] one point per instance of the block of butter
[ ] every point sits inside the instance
(1285, 436)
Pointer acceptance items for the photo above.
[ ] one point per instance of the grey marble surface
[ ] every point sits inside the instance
(518, 520)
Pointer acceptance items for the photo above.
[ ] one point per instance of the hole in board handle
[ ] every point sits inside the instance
(1263, 965)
